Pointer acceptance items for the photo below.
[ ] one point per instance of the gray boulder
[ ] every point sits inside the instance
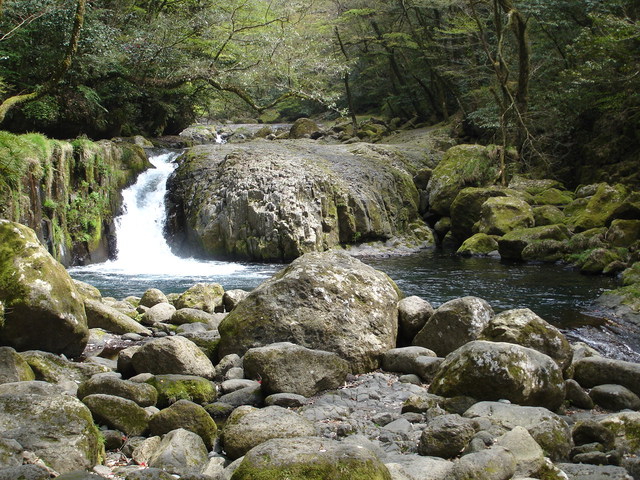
(119, 413)
(10, 453)
(410, 360)
(494, 463)
(614, 397)
(57, 428)
(248, 427)
(101, 315)
(311, 457)
(193, 315)
(172, 355)
(413, 313)
(159, 313)
(625, 426)
(592, 371)
(185, 415)
(466, 208)
(327, 301)
(549, 430)
(446, 436)
(232, 298)
(42, 307)
(13, 368)
(288, 368)
(201, 296)
(530, 459)
(453, 324)
(523, 327)
(181, 452)
(494, 371)
(153, 296)
(25, 472)
(581, 471)
(53, 368)
(415, 467)
(109, 384)
(35, 387)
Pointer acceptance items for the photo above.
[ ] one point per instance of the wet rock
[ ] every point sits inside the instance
(593, 371)
(308, 457)
(171, 388)
(248, 427)
(500, 215)
(181, 452)
(13, 368)
(42, 307)
(524, 327)
(446, 436)
(117, 412)
(327, 301)
(413, 313)
(549, 430)
(495, 370)
(453, 324)
(109, 384)
(614, 397)
(185, 415)
(172, 355)
(202, 296)
(288, 368)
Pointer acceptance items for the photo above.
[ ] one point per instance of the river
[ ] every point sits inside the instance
(556, 293)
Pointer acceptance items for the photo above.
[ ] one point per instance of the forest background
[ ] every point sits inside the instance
(557, 81)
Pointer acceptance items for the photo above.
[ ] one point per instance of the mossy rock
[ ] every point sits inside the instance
(187, 415)
(626, 428)
(553, 196)
(52, 368)
(547, 215)
(533, 186)
(598, 259)
(172, 388)
(310, 458)
(119, 413)
(461, 166)
(42, 308)
(109, 384)
(500, 215)
(13, 368)
(631, 275)
(202, 296)
(600, 208)
(623, 233)
(303, 127)
(544, 251)
(513, 243)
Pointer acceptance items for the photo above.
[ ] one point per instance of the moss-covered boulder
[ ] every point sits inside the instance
(478, 244)
(524, 327)
(496, 370)
(187, 415)
(626, 429)
(597, 260)
(553, 196)
(513, 243)
(310, 458)
(152, 296)
(600, 208)
(329, 301)
(13, 368)
(466, 207)
(544, 251)
(118, 413)
(547, 215)
(592, 371)
(109, 384)
(288, 368)
(52, 368)
(462, 166)
(57, 428)
(42, 308)
(172, 388)
(181, 452)
(248, 427)
(499, 215)
(303, 128)
(101, 315)
(631, 275)
(623, 233)
(533, 186)
(453, 324)
(174, 354)
(201, 296)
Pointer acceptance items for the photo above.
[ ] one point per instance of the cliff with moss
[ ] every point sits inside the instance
(68, 192)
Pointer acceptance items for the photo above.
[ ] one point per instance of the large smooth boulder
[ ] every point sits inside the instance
(466, 208)
(461, 166)
(248, 427)
(512, 244)
(13, 368)
(453, 324)
(278, 200)
(549, 430)
(592, 371)
(42, 307)
(172, 355)
(524, 327)
(140, 393)
(446, 436)
(310, 457)
(57, 428)
(201, 296)
(500, 215)
(413, 314)
(101, 315)
(478, 244)
(303, 128)
(187, 415)
(118, 413)
(327, 301)
(288, 368)
(495, 370)
(529, 455)
(53, 368)
(181, 452)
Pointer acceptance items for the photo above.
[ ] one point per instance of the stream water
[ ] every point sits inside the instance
(556, 293)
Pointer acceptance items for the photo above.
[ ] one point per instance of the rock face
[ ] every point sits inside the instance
(453, 324)
(496, 370)
(267, 200)
(288, 368)
(43, 310)
(328, 301)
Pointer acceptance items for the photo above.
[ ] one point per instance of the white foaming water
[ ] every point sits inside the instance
(142, 248)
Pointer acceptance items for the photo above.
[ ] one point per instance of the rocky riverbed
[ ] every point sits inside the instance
(324, 371)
